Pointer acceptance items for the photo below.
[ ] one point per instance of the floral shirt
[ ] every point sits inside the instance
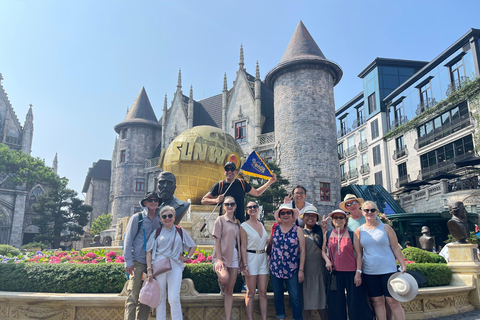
(285, 255)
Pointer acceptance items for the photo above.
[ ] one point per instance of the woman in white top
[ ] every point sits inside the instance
(380, 248)
(253, 238)
(169, 241)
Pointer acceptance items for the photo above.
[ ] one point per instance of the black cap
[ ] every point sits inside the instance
(148, 195)
(230, 164)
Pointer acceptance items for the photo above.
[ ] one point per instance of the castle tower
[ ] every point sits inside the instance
(305, 131)
(27, 136)
(139, 134)
(55, 163)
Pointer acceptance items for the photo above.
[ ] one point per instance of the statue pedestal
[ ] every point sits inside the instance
(465, 267)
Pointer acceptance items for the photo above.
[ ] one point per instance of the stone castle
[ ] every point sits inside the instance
(289, 117)
(16, 216)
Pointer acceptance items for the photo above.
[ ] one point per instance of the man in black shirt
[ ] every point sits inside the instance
(237, 190)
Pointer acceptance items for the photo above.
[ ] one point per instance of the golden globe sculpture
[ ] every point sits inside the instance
(197, 157)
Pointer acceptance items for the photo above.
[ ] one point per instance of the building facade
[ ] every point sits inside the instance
(413, 128)
(248, 112)
(16, 216)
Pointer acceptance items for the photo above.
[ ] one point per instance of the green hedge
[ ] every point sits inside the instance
(437, 274)
(205, 279)
(5, 249)
(417, 255)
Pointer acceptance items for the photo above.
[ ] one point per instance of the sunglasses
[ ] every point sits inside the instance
(338, 217)
(351, 203)
(229, 204)
(252, 207)
(370, 210)
(282, 213)
(153, 200)
(230, 169)
(169, 216)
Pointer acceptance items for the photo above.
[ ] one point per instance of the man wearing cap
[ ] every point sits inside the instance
(139, 228)
(353, 205)
(237, 190)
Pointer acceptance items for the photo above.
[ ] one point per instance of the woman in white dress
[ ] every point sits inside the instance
(253, 238)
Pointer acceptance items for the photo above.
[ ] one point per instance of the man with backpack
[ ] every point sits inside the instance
(139, 228)
(237, 190)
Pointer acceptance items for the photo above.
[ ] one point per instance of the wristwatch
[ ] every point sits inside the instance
(359, 271)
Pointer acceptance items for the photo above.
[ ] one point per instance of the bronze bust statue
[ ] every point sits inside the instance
(167, 183)
(426, 241)
(458, 225)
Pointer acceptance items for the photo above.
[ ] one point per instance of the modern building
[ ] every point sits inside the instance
(413, 128)
(16, 216)
(248, 112)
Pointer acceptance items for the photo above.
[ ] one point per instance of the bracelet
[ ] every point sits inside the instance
(300, 269)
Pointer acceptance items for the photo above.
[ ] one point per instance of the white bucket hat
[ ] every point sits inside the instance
(402, 286)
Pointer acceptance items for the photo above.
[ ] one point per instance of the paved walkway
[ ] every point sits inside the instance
(472, 315)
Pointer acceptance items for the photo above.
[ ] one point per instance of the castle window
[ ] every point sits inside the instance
(372, 103)
(140, 184)
(324, 191)
(123, 154)
(241, 131)
(124, 133)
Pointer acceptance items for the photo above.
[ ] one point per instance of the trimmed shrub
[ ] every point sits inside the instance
(437, 258)
(34, 245)
(436, 274)
(205, 279)
(5, 250)
(417, 255)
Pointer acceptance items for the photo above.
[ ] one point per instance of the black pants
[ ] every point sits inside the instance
(355, 299)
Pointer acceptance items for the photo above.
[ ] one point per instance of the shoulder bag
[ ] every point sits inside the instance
(164, 264)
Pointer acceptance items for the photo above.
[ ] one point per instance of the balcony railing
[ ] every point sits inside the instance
(357, 123)
(151, 163)
(351, 151)
(445, 130)
(398, 122)
(401, 181)
(343, 132)
(426, 104)
(435, 169)
(352, 174)
(456, 85)
(364, 169)
(363, 145)
(267, 138)
(399, 153)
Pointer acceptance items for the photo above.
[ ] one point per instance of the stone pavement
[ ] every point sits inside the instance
(472, 315)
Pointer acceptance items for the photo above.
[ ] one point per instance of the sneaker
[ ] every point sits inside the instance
(244, 288)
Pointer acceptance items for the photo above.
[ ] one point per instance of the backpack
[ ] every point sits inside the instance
(220, 185)
(329, 232)
(140, 226)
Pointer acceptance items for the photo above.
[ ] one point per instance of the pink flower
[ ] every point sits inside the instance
(108, 259)
(209, 258)
(91, 255)
(111, 253)
(94, 261)
(120, 259)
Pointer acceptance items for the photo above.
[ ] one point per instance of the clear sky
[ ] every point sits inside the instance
(82, 63)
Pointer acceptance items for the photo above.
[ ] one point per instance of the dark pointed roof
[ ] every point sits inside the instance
(302, 45)
(141, 112)
(99, 170)
(302, 52)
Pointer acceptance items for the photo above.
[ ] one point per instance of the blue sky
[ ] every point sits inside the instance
(82, 63)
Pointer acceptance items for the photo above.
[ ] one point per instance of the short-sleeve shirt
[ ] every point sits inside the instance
(228, 231)
(236, 191)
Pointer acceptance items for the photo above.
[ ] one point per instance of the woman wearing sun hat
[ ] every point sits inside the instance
(353, 206)
(313, 287)
(287, 260)
(342, 254)
(380, 248)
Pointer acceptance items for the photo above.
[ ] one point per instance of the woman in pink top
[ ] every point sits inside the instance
(342, 254)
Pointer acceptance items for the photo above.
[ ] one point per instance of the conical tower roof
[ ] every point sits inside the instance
(141, 112)
(303, 52)
(302, 45)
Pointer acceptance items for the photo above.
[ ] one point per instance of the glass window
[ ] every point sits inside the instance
(324, 191)
(468, 144)
(421, 131)
(432, 158)
(400, 143)
(463, 109)
(446, 118)
(449, 151)
(424, 161)
(341, 153)
(351, 142)
(124, 133)
(402, 170)
(372, 105)
(342, 170)
(241, 131)
(365, 182)
(140, 184)
(425, 93)
(123, 155)
(459, 149)
(360, 114)
(455, 113)
(379, 178)
(374, 128)
(362, 135)
(376, 156)
(428, 127)
(457, 72)
(440, 155)
(437, 122)
(364, 159)
(352, 165)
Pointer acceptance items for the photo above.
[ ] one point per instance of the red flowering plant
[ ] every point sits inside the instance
(201, 256)
(75, 257)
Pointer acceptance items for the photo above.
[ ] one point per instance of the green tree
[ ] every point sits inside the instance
(62, 215)
(274, 195)
(102, 222)
(17, 168)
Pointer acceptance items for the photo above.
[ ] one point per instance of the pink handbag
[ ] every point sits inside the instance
(163, 265)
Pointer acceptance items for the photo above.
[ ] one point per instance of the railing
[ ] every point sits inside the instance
(267, 138)
(398, 122)
(151, 163)
(343, 132)
(445, 130)
(401, 181)
(431, 171)
(456, 85)
(357, 123)
(352, 174)
(351, 151)
(399, 153)
(426, 104)
(364, 169)
(363, 145)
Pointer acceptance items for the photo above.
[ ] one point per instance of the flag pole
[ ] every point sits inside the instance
(205, 224)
